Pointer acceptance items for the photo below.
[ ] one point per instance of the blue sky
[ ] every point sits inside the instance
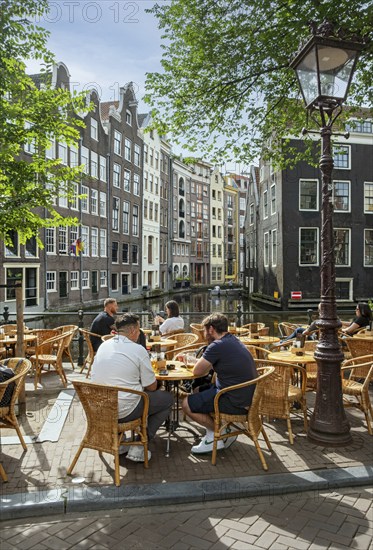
(104, 43)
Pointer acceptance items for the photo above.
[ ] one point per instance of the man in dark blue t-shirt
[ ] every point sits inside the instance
(233, 364)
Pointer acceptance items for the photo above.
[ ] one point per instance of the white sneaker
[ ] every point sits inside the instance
(206, 446)
(136, 453)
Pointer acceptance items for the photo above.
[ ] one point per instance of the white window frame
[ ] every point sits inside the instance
(85, 279)
(348, 264)
(351, 289)
(366, 184)
(94, 201)
(94, 129)
(103, 278)
(274, 248)
(103, 205)
(85, 240)
(316, 263)
(266, 249)
(50, 240)
(115, 214)
(74, 280)
(306, 180)
(116, 175)
(273, 199)
(117, 142)
(94, 242)
(337, 146)
(127, 149)
(94, 165)
(365, 244)
(349, 196)
(265, 204)
(62, 241)
(137, 155)
(84, 201)
(103, 168)
(51, 281)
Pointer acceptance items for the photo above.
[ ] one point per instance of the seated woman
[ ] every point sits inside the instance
(173, 321)
(363, 319)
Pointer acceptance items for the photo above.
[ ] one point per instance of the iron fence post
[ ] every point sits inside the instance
(81, 339)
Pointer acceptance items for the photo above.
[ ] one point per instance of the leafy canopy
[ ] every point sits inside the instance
(32, 116)
(226, 71)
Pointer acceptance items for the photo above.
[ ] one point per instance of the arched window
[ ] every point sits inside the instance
(182, 230)
(181, 186)
(181, 208)
(176, 271)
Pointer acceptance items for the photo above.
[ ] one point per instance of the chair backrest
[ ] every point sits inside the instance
(87, 334)
(172, 333)
(48, 347)
(184, 339)
(100, 404)
(20, 366)
(9, 329)
(286, 328)
(254, 327)
(43, 334)
(67, 328)
(361, 366)
(175, 353)
(274, 402)
(107, 337)
(198, 329)
(257, 351)
(359, 346)
(310, 345)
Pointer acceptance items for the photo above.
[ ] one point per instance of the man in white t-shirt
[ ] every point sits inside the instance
(120, 361)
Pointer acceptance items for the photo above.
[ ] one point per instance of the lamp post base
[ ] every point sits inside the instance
(326, 439)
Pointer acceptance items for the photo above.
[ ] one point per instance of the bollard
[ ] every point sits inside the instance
(310, 315)
(239, 315)
(81, 339)
(6, 313)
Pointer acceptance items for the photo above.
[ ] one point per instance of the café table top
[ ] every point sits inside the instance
(12, 338)
(180, 372)
(164, 343)
(286, 356)
(260, 341)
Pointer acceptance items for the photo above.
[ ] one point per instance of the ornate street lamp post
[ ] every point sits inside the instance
(324, 68)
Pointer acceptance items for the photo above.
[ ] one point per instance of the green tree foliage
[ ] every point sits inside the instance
(226, 71)
(31, 115)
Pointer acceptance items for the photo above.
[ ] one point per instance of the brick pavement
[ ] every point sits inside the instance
(308, 521)
(44, 465)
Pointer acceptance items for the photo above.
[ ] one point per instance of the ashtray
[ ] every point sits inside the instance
(171, 366)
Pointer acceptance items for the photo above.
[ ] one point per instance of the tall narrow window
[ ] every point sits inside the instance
(309, 237)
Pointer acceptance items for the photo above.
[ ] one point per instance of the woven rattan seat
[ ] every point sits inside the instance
(359, 372)
(103, 433)
(249, 424)
(8, 417)
(280, 392)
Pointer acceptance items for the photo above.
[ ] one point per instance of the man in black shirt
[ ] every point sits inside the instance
(103, 323)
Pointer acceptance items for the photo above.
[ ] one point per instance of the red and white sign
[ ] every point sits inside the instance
(296, 294)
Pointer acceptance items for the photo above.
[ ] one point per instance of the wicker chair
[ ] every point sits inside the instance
(8, 418)
(3, 475)
(359, 346)
(249, 424)
(49, 353)
(103, 433)
(173, 332)
(72, 329)
(41, 334)
(107, 337)
(174, 353)
(280, 394)
(91, 352)
(199, 330)
(360, 373)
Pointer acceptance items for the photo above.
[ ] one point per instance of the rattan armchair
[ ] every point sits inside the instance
(41, 334)
(91, 352)
(249, 424)
(359, 371)
(257, 352)
(8, 417)
(175, 353)
(280, 393)
(49, 353)
(254, 327)
(359, 346)
(103, 433)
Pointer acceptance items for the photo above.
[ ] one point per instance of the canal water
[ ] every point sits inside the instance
(194, 306)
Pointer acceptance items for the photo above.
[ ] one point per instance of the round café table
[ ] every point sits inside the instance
(260, 341)
(289, 357)
(172, 381)
(10, 341)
